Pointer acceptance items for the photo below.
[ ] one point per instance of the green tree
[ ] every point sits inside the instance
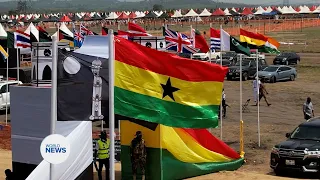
(157, 7)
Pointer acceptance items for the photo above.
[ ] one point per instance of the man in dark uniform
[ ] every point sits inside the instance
(138, 155)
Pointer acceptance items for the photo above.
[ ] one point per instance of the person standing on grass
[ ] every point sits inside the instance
(256, 85)
(308, 110)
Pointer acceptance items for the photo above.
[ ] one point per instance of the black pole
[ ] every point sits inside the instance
(37, 65)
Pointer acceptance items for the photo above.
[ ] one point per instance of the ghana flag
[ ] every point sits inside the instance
(164, 88)
(177, 153)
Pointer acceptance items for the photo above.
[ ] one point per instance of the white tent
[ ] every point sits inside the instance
(234, 9)
(226, 12)
(112, 15)
(65, 29)
(285, 10)
(141, 14)
(177, 14)
(269, 9)
(279, 9)
(292, 10)
(205, 12)
(259, 11)
(3, 33)
(32, 29)
(191, 13)
(79, 135)
(304, 10)
(317, 10)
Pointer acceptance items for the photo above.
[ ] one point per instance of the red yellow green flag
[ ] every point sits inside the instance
(164, 88)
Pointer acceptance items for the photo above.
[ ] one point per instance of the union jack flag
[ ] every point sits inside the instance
(178, 42)
(78, 38)
(85, 32)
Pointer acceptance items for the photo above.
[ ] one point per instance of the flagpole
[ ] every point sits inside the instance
(111, 103)
(7, 94)
(18, 63)
(54, 92)
(258, 101)
(210, 44)
(241, 87)
(222, 97)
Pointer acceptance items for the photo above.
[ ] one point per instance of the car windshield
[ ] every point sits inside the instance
(271, 69)
(244, 63)
(306, 133)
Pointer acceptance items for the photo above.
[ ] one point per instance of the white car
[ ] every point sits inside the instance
(4, 95)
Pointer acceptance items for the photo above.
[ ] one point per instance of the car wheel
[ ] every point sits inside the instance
(273, 79)
(292, 77)
(244, 76)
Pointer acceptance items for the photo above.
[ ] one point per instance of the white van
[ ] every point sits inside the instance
(4, 95)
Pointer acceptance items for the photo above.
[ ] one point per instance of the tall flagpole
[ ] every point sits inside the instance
(7, 94)
(258, 104)
(210, 44)
(18, 63)
(241, 87)
(111, 103)
(221, 97)
(54, 91)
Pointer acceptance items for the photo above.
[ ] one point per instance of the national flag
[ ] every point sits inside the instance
(4, 53)
(21, 40)
(64, 36)
(199, 42)
(229, 43)
(178, 42)
(259, 41)
(136, 30)
(43, 35)
(215, 40)
(10, 39)
(86, 32)
(78, 38)
(164, 88)
(192, 152)
(104, 31)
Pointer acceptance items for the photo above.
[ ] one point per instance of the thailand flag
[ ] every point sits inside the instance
(21, 40)
(215, 39)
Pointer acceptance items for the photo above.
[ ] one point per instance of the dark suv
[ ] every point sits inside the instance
(249, 68)
(301, 151)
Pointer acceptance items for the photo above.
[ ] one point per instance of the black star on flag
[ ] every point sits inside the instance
(168, 90)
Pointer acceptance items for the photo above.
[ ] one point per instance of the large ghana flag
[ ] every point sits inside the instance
(176, 153)
(164, 88)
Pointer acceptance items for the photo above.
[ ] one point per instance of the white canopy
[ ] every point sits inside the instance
(112, 15)
(177, 13)
(293, 11)
(259, 11)
(3, 33)
(205, 12)
(191, 13)
(65, 29)
(269, 9)
(304, 10)
(317, 10)
(32, 29)
(141, 14)
(226, 12)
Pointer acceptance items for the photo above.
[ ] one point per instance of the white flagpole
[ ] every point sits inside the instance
(54, 92)
(18, 63)
(241, 86)
(7, 94)
(111, 103)
(192, 36)
(210, 43)
(221, 97)
(258, 101)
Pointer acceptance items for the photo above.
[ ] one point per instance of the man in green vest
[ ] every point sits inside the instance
(103, 154)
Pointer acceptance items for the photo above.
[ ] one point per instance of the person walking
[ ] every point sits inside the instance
(103, 155)
(308, 110)
(138, 153)
(262, 93)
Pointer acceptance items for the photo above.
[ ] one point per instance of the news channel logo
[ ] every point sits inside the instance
(55, 149)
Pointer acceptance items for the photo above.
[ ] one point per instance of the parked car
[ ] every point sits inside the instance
(274, 73)
(249, 68)
(287, 58)
(225, 63)
(300, 152)
(4, 95)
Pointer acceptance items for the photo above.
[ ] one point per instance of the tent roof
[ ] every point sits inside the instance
(205, 12)
(246, 11)
(123, 16)
(304, 10)
(112, 15)
(132, 15)
(151, 14)
(259, 11)
(177, 13)
(218, 12)
(227, 12)
(3, 33)
(65, 18)
(191, 13)
(164, 15)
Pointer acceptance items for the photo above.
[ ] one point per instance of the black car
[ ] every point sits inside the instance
(301, 151)
(225, 63)
(249, 68)
(286, 58)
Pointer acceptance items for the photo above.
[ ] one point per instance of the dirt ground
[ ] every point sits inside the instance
(281, 117)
